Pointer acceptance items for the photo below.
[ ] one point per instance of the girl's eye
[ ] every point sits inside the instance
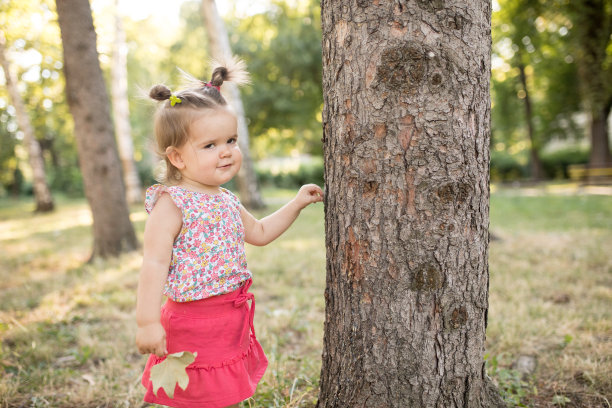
(209, 146)
(232, 140)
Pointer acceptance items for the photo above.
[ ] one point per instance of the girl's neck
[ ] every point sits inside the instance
(199, 188)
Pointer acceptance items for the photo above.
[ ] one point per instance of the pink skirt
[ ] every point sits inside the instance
(230, 360)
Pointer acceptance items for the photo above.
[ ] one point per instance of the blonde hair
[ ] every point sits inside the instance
(178, 111)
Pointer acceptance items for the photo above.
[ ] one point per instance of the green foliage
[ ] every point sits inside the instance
(556, 162)
(513, 388)
(189, 50)
(567, 339)
(507, 167)
(560, 400)
(591, 37)
(37, 49)
(535, 35)
(282, 49)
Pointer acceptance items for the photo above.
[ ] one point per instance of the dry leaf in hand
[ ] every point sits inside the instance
(172, 371)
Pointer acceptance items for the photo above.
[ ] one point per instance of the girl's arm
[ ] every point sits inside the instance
(262, 232)
(163, 226)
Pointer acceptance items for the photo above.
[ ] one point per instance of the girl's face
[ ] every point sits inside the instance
(211, 156)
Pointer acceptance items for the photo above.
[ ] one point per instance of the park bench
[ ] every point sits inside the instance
(586, 175)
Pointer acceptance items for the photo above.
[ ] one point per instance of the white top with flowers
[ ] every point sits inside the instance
(208, 256)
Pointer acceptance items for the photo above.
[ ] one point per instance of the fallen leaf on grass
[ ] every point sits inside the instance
(172, 371)
(89, 378)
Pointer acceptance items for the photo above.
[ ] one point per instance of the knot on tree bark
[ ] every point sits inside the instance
(427, 278)
(401, 67)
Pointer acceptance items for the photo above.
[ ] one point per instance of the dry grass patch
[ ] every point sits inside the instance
(550, 297)
(66, 329)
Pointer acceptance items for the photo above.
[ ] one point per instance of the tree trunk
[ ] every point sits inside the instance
(121, 112)
(537, 173)
(218, 41)
(42, 194)
(89, 104)
(406, 128)
(600, 143)
(592, 28)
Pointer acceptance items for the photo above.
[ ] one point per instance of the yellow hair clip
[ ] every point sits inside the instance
(174, 100)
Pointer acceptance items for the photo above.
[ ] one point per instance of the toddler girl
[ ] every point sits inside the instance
(194, 251)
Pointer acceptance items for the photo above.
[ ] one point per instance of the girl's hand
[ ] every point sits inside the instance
(308, 194)
(151, 339)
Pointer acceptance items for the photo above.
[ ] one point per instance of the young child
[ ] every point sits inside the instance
(194, 251)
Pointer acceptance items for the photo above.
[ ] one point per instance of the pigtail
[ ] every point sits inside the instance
(160, 93)
(232, 69)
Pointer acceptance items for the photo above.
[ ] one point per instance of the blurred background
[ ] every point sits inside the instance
(67, 326)
(551, 78)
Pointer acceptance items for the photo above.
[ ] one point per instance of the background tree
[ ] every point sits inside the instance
(592, 33)
(523, 34)
(89, 103)
(36, 53)
(406, 133)
(219, 46)
(534, 146)
(121, 111)
(42, 194)
(534, 36)
(520, 40)
(282, 47)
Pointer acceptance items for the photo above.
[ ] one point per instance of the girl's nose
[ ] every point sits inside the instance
(225, 151)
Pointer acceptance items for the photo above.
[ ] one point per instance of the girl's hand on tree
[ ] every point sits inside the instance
(308, 194)
(151, 339)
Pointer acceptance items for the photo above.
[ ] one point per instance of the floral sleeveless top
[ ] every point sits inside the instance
(208, 256)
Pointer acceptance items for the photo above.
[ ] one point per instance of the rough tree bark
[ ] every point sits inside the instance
(42, 193)
(121, 112)
(406, 136)
(89, 104)
(220, 49)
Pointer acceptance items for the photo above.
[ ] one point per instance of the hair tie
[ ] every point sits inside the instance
(174, 100)
(210, 85)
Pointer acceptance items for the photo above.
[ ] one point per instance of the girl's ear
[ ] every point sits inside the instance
(175, 157)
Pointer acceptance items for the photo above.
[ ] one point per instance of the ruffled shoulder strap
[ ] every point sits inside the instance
(233, 198)
(156, 190)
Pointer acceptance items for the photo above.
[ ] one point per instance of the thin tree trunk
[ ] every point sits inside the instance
(537, 173)
(42, 194)
(121, 112)
(406, 128)
(89, 104)
(218, 41)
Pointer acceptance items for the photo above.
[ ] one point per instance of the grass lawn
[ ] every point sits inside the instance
(551, 296)
(67, 328)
